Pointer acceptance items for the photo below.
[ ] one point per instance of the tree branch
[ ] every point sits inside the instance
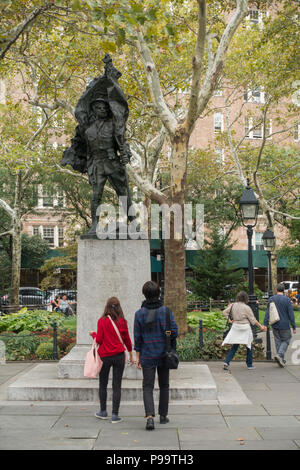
(214, 72)
(145, 186)
(16, 32)
(7, 208)
(197, 65)
(168, 118)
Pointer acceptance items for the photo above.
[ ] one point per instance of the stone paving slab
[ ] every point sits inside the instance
(194, 436)
(176, 421)
(114, 437)
(262, 421)
(26, 423)
(245, 410)
(246, 445)
(280, 432)
(273, 398)
(32, 410)
(21, 441)
(77, 427)
(283, 410)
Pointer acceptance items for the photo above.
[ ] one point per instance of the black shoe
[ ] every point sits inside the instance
(150, 424)
(164, 420)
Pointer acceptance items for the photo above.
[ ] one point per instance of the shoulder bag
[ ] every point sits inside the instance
(170, 359)
(93, 363)
(273, 313)
(228, 325)
(119, 336)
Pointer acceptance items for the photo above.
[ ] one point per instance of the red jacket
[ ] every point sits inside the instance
(107, 338)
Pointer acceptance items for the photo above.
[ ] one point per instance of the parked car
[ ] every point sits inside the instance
(292, 286)
(28, 296)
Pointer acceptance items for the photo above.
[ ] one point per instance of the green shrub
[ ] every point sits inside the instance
(188, 348)
(65, 338)
(45, 351)
(25, 333)
(193, 320)
(35, 320)
(20, 347)
(213, 320)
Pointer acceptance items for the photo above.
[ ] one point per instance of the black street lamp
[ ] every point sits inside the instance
(162, 250)
(249, 209)
(269, 245)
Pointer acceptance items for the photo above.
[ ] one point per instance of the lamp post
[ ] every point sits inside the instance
(162, 250)
(249, 210)
(269, 244)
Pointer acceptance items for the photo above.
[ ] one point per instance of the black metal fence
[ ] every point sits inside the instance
(36, 299)
(208, 305)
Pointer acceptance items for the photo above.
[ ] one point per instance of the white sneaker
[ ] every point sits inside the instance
(251, 367)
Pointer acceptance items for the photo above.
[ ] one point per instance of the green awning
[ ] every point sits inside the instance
(239, 258)
(260, 259)
(155, 265)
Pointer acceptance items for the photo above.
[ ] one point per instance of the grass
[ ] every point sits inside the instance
(70, 323)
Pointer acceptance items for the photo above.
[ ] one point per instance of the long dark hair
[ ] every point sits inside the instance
(114, 309)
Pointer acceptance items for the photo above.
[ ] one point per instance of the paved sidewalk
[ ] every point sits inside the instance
(257, 409)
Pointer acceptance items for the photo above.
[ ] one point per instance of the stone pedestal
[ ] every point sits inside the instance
(106, 268)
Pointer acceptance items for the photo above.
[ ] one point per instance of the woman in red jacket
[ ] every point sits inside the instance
(112, 352)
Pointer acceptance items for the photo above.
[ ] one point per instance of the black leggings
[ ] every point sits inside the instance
(117, 362)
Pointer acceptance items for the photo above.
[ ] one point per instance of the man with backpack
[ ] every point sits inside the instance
(281, 329)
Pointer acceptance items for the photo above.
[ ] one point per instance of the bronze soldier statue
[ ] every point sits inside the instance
(99, 147)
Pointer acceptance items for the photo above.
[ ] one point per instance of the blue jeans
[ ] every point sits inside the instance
(232, 352)
(282, 340)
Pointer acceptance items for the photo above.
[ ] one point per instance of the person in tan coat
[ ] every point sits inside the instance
(242, 318)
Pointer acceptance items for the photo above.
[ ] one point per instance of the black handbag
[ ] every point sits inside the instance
(228, 325)
(170, 359)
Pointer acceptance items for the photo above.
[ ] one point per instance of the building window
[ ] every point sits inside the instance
(48, 235)
(254, 16)
(36, 230)
(259, 244)
(47, 197)
(50, 197)
(257, 17)
(254, 128)
(60, 236)
(218, 122)
(256, 95)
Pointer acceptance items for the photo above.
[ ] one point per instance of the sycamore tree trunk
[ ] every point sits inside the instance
(15, 261)
(175, 284)
(16, 243)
